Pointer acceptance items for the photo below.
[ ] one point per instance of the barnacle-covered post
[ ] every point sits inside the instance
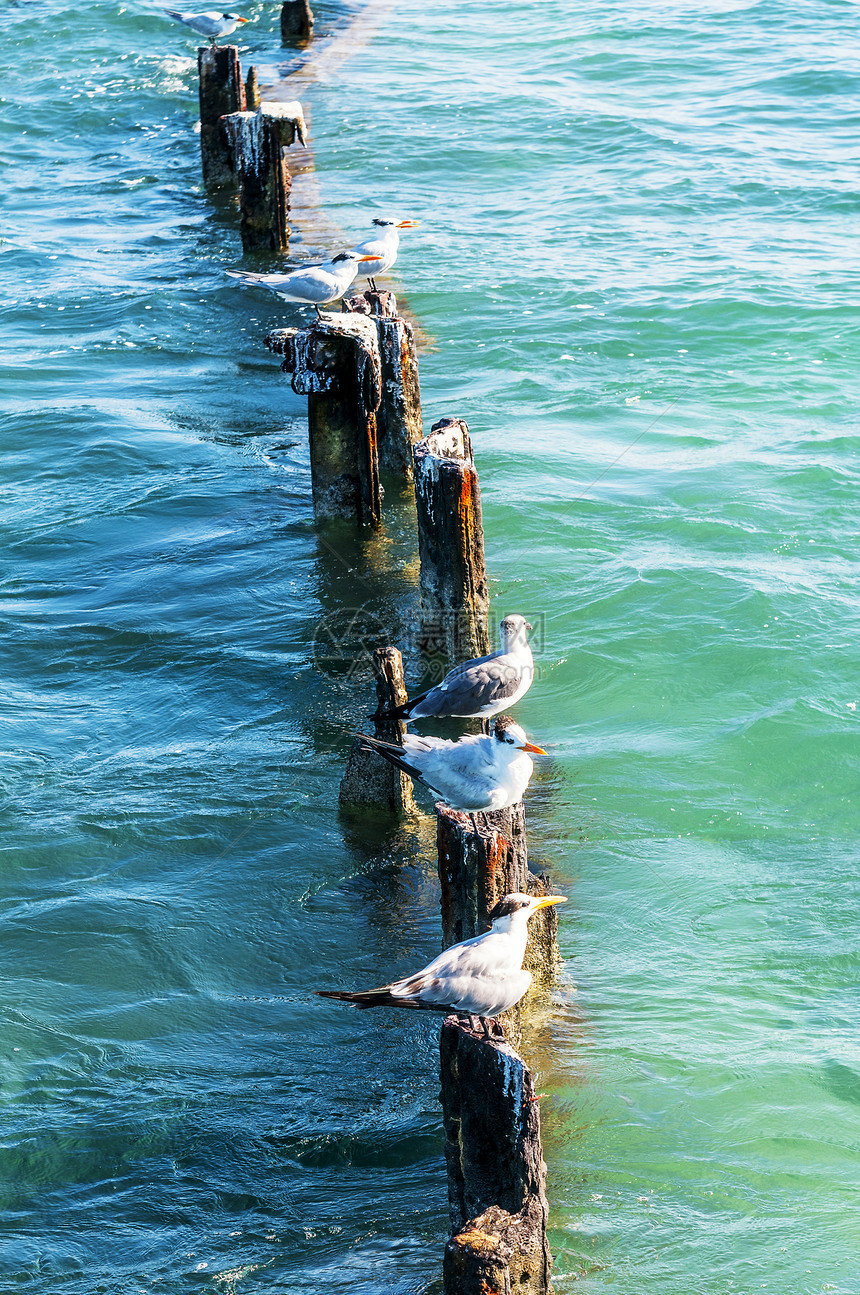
(453, 580)
(297, 22)
(221, 91)
(259, 141)
(335, 363)
(370, 780)
(496, 1172)
(399, 417)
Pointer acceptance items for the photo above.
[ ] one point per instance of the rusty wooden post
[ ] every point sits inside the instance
(221, 91)
(259, 142)
(370, 780)
(453, 581)
(496, 1173)
(399, 415)
(477, 868)
(297, 22)
(335, 363)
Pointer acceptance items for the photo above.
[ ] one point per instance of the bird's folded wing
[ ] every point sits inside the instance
(481, 685)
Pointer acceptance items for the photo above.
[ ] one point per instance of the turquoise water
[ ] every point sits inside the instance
(636, 281)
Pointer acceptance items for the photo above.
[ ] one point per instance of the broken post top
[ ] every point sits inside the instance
(448, 439)
(312, 356)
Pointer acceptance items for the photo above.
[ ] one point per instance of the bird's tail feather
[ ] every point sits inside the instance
(393, 754)
(173, 13)
(365, 998)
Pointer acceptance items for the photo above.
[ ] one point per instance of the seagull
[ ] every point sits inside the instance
(482, 687)
(382, 248)
(314, 285)
(480, 977)
(211, 23)
(480, 772)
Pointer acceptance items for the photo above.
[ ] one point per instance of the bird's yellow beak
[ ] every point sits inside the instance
(538, 750)
(243, 20)
(547, 900)
(368, 258)
(407, 224)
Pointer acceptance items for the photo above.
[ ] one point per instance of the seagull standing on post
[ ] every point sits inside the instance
(314, 285)
(479, 773)
(480, 977)
(482, 687)
(382, 248)
(211, 24)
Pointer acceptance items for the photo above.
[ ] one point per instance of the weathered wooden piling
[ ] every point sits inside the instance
(477, 868)
(297, 22)
(399, 416)
(221, 91)
(496, 1173)
(252, 91)
(453, 582)
(335, 363)
(370, 780)
(258, 143)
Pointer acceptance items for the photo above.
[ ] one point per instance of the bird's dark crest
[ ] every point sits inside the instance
(343, 256)
(378, 220)
(506, 906)
(501, 726)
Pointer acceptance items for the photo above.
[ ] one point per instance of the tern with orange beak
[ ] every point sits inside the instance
(382, 248)
(315, 285)
(480, 977)
(211, 24)
(480, 772)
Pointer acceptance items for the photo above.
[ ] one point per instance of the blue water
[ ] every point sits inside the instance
(635, 277)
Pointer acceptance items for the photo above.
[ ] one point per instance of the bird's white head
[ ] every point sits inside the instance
(515, 910)
(509, 734)
(514, 631)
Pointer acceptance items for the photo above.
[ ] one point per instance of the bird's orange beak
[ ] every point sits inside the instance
(407, 224)
(243, 20)
(546, 901)
(538, 750)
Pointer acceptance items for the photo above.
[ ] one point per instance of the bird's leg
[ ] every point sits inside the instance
(372, 283)
(499, 1029)
(485, 1022)
(474, 823)
(317, 309)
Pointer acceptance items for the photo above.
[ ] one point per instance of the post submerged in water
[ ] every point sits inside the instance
(222, 91)
(399, 416)
(258, 142)
(453, 580)
(297, 22)
(370, 780)
(335, 363)
(496, 1172)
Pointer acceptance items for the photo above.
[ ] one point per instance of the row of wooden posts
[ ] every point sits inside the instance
(359, 371)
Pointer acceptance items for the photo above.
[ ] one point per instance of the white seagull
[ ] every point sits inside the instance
(382, 248)
(480, 977)
(211, 23)
(482, 687)
(314, 284)
(480, 772)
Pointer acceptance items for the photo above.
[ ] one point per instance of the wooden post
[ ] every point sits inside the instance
(453, 581)
(370, 780)
(221, 91)
(297, 22)
(252, 90)
(259, 141)
(399, 417)
(496, 1173)
(477, 869)
(335, 363)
